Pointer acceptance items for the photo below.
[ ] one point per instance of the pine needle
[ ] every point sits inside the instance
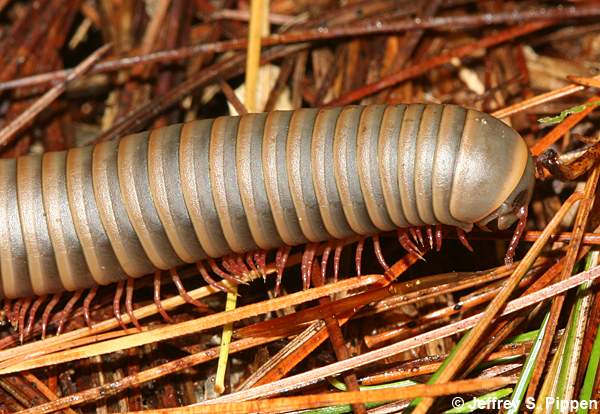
(225, 341)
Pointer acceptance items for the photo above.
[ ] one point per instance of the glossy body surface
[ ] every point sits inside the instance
(210, 188)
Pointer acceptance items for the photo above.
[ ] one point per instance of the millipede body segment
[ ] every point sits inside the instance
(231, 185)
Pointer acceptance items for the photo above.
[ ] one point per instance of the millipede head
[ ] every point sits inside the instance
(510, 210)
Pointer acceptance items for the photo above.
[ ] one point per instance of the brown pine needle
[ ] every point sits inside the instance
(429, 364)
(142, 377)
(283, 324)
(571, 257)
(257, 22)
(66, 339)
(544, 97)
(45, 390)
(284, 404)
(20, 122)
(359, 29)
(226, 334)
(177, 62)
(310, 377)
(316, 334)
(187, 327)
(496, 305)
(430, 64)
(593, 82)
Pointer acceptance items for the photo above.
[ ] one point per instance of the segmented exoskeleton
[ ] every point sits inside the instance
(212, 188)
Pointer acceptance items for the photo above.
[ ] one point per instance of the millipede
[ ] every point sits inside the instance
(221, 193)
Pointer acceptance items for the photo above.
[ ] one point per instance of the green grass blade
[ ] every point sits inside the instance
(575, 334)
(590, 374)
(516, 399)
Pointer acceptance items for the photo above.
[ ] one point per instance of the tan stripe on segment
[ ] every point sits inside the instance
(407, 148)
(194, 170)
(115, 220)
(72, 267)
(166, 193)
(224, 185)
(368, 166)
(426, 145)
(40, 256)
(98, 252)
(345, 170)
(298, 160)
(132, 163)
(276, 178)
(448, 143)
(13, 255)
(251, 182)
(388, 162)
(328, 197)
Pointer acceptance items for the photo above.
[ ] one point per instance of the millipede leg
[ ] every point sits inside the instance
(260, 258)
(36, 305)
(336, 261)
(233, 267)
(206, 276)
(236, 267)
(358, 255)
(429, 231)
(438, 237)
(7, 309)
(228, 265)
(129, 303)
(284, 258)
(280, 262)
(227, 276)
(514, 241)
(184, 294)
(157, 301)
(307, 262)
(379, 253)
(250, 262)
(413, 234)
(22, 314)
(67, 310)
(241, 264)
(463, 238)
(47, 310)
(407, 244)
(14, 321)
(87, 302)
(417, 236)
(325, 259)
(279, 276)
(117, 304)
(317, 275)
